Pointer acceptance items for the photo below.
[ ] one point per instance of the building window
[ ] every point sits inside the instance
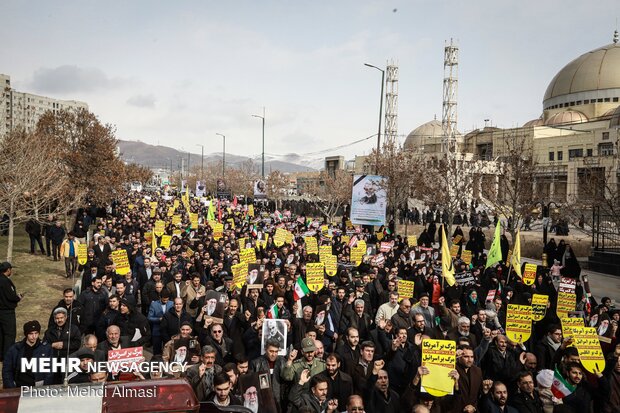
(579, 102)
(589, 152)
(607, 100)
(606, 149)
(600, 100)
(605, 136)
(551, 156)
(575, 153)
(615, 99)
(560, 155)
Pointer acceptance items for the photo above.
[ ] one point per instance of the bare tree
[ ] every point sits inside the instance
(134, 172)
(398, 168)
(512, 194)
(277, 184)
(330, 193)
(34, 183)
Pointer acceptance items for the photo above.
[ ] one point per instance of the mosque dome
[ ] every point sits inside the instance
(614, 122)
(535, 122)
(566, 117)
(426, 137)
(591, 78)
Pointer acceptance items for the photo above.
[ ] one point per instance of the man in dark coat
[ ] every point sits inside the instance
(526, 400)
(33, 229)
(8, 302)
(57, 235)
(273, 364)
(30, 347)
(93, 302)
(340, 383)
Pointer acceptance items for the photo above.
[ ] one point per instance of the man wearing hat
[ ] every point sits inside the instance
(8, 302)
(293, 369)
(28, 348)
(86, 356)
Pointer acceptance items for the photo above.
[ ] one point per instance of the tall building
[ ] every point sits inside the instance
(24, 109)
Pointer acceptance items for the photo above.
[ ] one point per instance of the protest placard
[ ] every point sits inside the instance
(539, 306)
(314, 276)
(566, 297)
(240, 273)
(82, 254)
(331, 264)
(247, 255)
(121, 261)
(439, 356)
(160, 227)
(405, 289)
(466, 256)
(519, 322)
(529, 275)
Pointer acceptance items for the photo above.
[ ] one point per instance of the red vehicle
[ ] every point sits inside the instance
(147, 396)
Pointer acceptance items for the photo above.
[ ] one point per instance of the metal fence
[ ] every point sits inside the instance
(605, 231)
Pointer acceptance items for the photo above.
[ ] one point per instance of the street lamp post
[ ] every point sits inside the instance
(380, 113)
(202, 160)
(223, 153)
(263, 152)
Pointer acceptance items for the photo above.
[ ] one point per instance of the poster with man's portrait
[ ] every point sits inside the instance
(220, 189)
(260, 189)
(255, 275)
(256, 392)
(274, 330)
(368, 200)
(214, 306)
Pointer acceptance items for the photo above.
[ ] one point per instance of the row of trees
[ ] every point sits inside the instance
(70, 159)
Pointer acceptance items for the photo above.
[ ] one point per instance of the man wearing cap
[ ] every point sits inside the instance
(8, 302)
(28, 348)
(293, 369)
(86, 356)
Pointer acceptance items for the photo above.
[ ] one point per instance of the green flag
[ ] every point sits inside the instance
(211, 211)
(495, 252)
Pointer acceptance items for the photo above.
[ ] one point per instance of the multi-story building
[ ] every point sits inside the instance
(22, 109)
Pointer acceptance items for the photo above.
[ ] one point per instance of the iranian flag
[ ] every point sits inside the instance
(301, 289)
(560, 387)
(273, 311)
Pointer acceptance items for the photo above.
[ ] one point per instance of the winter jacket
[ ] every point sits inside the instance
(13, 377)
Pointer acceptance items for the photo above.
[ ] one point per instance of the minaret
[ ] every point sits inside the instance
(391, 102)
(450, 87)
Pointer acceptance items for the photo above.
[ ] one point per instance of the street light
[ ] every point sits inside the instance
(223, 154)
(263, 153)
(380, 113)
(202, 160)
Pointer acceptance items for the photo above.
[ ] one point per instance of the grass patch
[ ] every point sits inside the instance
(41, 279)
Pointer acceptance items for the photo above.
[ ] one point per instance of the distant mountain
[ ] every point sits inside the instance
(158, 156)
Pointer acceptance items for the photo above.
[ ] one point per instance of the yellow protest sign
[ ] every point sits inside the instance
(539, 306)
(324, 251)
(262, 242)
(311, 245)
(362, 245)
(456, 239)
(193, 220)
(466, 256)
(357, 255)
(131, 206)
(439, 356)
(412, 240)
(247, 255)
(251, 210)
(324, 230)
(153, 241)
(152, 212)
(346, 239)
(190, 252)
(519, 322)
(569, 325)
(121, 261)
(509, 256)
(176, 219)
(175, 204)
(153, 205)
(454, 250)
(240, 273)
(566, 297)
(314, 276)
(589, 347)
(379, 235)
(241, 242)
(280, 237)
(289, 237)
(82, 254)
(529, 275)
(165, 241)
(331, 264)
(231, 223)
(405, 289)
(170, 211)
(160, 227)
(218, 231)
(177, 232)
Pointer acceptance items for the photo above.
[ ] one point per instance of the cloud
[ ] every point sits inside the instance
(142, 101)
(71, 79)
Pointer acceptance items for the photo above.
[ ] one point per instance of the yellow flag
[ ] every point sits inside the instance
(447, 269)
(515, 260)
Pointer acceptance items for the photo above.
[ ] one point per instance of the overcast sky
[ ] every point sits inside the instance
(176, 73)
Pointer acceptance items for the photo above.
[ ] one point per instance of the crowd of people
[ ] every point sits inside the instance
(354, 345)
